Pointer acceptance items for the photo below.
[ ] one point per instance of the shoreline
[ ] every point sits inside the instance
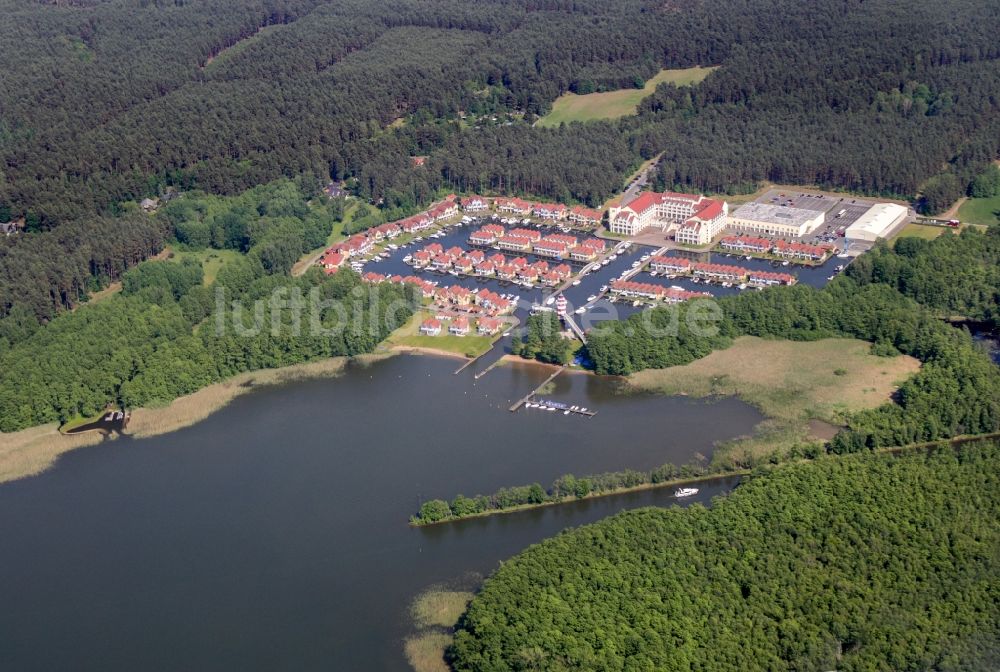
(596, 495)
(419, 350)
(31, 451)
(705, 478)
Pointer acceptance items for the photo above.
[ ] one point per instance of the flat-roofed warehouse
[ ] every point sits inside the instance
(775, 220)
(876, 222)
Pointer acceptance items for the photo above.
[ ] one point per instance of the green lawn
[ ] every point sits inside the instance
(613, 104)
(409, 336)
(211, 260)
(984, 211)
(925, 231)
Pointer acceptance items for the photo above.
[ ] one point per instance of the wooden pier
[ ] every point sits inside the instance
(565, 408)
(526, 398)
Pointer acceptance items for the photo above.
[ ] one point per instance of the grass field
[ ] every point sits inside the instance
(925, 231)
(983, 211)
(211, 260)
(409, 336)
(791, 382)
(613, 104)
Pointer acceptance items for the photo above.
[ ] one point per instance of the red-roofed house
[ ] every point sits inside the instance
(582, 216)
(513, 206)
(514, 243)
(533, 235)
(482, 237)
(486, 268)
(421, 258)
(475, 204)
(745, 244)
(459, 326)
(463, 265)
(442, 262)
(550, 248)
(430, 327)
(550, 211)
(669, 265)
(487, 326)
(583, 253)
(332, 260)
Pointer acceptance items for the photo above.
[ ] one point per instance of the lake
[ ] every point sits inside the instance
(274, 534)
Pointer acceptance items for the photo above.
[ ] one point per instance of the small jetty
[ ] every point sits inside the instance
(529, 401)
(530, 395)
(108, 422)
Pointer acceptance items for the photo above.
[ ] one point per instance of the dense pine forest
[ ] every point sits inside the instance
(861, 563)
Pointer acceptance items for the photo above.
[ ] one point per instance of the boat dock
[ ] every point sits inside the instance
(567, 409)
(528, 401)
(526, 398)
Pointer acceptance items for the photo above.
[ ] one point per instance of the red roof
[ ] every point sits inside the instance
(711, 210)
(430, 323)
(643, 202)
(679, 262)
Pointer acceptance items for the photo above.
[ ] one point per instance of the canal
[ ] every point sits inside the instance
(273, 535)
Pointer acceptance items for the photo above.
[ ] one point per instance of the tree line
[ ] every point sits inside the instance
(565, 487)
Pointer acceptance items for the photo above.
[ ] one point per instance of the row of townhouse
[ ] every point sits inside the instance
(645, 290)
(718, 272)
(459, 326)
(482, 301)
(803, 251)
(362, 243)
(670, 265)
(476, 262)
(769, 278)
(559, 245)
(552, 212)
(781, 248)
(744, 244)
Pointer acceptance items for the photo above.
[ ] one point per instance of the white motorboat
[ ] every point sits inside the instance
(604, 288)
(592, 297)
(580, 311)
(685, 492)
(576, 283)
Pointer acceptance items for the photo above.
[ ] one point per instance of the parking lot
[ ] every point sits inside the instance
(841, 212)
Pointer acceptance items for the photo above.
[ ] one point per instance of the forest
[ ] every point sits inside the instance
(169, 333)
(108, 102)
(857, 563)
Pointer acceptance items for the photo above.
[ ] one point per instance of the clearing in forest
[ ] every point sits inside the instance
(613, 104)
(984, 211)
